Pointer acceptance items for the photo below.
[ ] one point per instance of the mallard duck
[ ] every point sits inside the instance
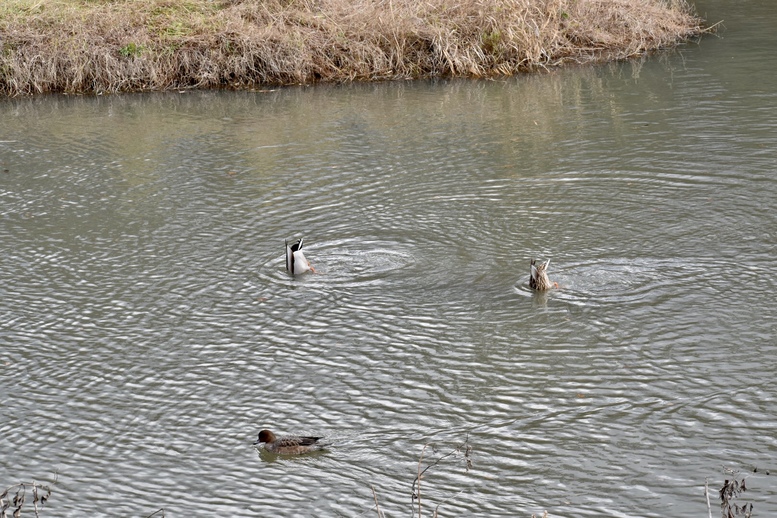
(295, 259)
(288, 445)
(539, 276)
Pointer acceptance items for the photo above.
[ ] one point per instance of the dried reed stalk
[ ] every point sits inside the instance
(122, 45)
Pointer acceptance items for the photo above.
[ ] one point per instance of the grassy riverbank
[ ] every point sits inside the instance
(121, 45)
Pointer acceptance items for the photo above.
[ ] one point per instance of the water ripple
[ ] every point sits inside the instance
(150, 327)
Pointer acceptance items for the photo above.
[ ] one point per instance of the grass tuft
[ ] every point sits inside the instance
(122, 45)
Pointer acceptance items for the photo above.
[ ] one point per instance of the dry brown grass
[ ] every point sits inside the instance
(121, 45)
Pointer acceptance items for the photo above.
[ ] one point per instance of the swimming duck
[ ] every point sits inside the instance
(295, 259)
(539, 276)
(288, 445)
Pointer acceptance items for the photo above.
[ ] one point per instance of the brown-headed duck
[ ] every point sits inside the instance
(287, 445)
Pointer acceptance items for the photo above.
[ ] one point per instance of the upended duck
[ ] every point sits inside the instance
(539, 276)
(296, 263)
(288, 445)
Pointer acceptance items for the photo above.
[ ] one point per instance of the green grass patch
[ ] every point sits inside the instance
(131, 50)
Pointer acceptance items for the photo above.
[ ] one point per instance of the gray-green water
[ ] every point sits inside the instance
(149, 329)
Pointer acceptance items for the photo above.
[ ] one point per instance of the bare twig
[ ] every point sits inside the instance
(416, 488)
(712, 28)
(437, 507)
(377, 507)
(417, 493)
(19, 497)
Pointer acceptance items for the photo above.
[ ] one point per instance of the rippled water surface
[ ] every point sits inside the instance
(150, 330)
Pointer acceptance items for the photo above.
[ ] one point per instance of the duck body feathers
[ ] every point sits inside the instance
(539, 276)
(288, 445)
(296, 263)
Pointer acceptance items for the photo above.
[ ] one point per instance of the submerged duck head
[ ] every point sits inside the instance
(539, 276)
(288, 445)
(296, 263)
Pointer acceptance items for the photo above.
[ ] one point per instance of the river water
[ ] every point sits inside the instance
(149, 329)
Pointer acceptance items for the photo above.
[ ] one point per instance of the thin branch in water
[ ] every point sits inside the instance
(377, 507)
(417, 490)
(416, 487)
(437, 507)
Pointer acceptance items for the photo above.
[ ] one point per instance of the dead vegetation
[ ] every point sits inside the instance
(463, 450)
(730, 493)
(14, 497)
(99, 46)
